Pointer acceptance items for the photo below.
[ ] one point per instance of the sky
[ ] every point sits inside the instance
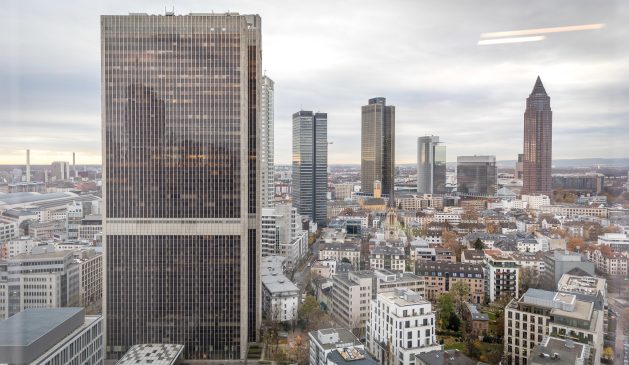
(332, 56)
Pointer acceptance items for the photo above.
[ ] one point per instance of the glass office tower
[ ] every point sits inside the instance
(476, 175)
(377, 161)
(431, 165)
(310, 165)
(180, 112)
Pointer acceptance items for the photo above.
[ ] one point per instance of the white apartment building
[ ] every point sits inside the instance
(617, 241)
(535, 202)
(574, 211)
(340, 251)
(539, 313)
(16, 246)
(352, 293)
(324, 341)
(502, 274)
(280, 298)
(533, 244)
(282, 234)
(401, 325)
(8, 229)
(614, 263)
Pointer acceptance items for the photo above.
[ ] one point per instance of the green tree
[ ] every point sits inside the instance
(345, 259)
(446, 309)
(479, 245)
(460, 293)
(454, 323)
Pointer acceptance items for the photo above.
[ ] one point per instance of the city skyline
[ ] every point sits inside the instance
(434, 91)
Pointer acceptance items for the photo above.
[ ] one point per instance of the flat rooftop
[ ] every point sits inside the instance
(582, 311)
(152, 353)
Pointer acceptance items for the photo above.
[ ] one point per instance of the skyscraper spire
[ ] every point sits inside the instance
(539, 87)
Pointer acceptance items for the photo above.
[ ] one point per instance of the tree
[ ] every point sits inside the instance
(493, 227)
(446, 309)
(575, 244)
(346, 260)
(460, 293)
(529, 279)
(308, 308)
(608, 353)
(451, 242)
(479, 245)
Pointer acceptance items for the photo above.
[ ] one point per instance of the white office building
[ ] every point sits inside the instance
(282, 234)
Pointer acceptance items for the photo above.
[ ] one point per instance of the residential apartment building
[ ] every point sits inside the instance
(439, 277)
(282, 233)
(90, 264)
(325, 341)
(479, 322)
(556, 351)
(280, 298)
(611, 263)
(401, 325)
(388, 258)
(353, 291)
(51, 336)
(502, 273)
(418, 202)
(575, 211)
(340, 251)
(539, 313)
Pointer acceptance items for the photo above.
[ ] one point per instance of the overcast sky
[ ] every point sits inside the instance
(332, 56)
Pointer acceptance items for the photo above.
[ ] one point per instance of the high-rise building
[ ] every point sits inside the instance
(267, 120)
(538, 142)
(378, 147)
(431, 165)
(310, 165)
(60, 170)
(476, 175)
(181, 105)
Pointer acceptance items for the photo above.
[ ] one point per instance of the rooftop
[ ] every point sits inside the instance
(557, 351)
(351, 355)
(332, 338)
(448, 357)
(587, 285)
(402, 297)
(153, 353)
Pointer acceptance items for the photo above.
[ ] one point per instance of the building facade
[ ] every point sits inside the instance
(267, 140)
(181, 115)
(538, 142)
(310, 165)
(401, 325)
(440, 276)
(431, 165)
(476, 175)
(377, 161)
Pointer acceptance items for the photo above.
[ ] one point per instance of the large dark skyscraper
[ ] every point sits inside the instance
(476, 175)
(431, 165)
(310, 165)
(378, 146)
(180, 111)
(538, 142)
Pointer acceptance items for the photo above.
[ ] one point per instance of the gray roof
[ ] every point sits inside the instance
(448, 357)
(427, 268)
(152, 353)
(386, 250)
(27, 326)
(22, 198)
(363, 357)
(476, 315)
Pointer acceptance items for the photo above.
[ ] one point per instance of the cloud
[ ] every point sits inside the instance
(333, 56)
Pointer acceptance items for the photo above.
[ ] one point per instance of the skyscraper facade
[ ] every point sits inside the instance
(378, 147)
(538, 142)
(310, 165)
(267, 120)
(180, 111)
(476, 175)
(431, 165)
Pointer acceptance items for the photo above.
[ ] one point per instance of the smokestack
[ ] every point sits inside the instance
(28, 165)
